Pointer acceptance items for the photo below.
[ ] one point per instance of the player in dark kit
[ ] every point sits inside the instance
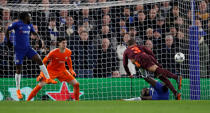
(156, 91)
(144, 58)
(23, 28)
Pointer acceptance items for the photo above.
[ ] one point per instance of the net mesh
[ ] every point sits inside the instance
(96, 32)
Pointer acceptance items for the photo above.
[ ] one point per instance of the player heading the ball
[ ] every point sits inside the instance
(57, 69)
(144, 58)
(22, 47)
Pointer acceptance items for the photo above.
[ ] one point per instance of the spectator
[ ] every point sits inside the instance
(106, 33)
(165, 9)
(139, 8)
(149, 34)
(41, 18)
(6, 17)
(179, 22)
(105, 17)
(120, 51)
(69, 29)
(3, 2)
(86, 17)
(141, 24)
(133, 34)
(52, 34)
(107, 61)
(173, 31)
(149, 45)
(6, 56)
(204, 57)
(38, 44)
(121, 25)
(106, 20)
(157, 39)
(156, 7)
(161, 25)
(80, 29)
(203, 13)
(116, 74)
(167, 54)
(62, 17)
(174, 14)
(82, 50)
(152, 18)
(126, 15)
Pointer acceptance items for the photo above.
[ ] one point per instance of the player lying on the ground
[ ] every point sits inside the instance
(56, 68)
(144, 58)
(157, 91)
(22, 48)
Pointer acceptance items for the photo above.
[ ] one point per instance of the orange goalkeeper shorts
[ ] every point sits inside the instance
(61, 76)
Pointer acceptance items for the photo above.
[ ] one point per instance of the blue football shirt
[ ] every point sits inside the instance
(158, 92)
(22, 34)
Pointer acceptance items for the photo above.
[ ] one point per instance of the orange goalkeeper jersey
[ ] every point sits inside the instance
(57, 60)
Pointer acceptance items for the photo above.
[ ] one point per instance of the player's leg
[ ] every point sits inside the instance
(66, 76)
(164, 78)
(17, 80)
(19, 55)
(160, 71)
(35, 57)
(41, 79)
(75, 84)
(36, 90)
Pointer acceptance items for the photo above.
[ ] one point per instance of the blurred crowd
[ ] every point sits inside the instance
(98, 36)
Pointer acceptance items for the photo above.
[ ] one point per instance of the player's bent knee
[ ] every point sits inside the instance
(76, 85)
(41, 84)
(152, 68)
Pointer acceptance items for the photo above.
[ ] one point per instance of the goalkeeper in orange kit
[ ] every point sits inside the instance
(56, 68)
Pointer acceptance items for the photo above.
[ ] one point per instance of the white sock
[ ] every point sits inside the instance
(17, 80)
(133, 99)
(44, 70)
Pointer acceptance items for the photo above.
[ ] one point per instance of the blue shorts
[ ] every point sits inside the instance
(20, 54)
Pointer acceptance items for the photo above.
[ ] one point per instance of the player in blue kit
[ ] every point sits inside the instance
(23, 28)
(156, 91)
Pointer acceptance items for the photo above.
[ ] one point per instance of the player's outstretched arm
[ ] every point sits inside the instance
(125, 64)
(69, 62)
(36, 34)
(146, 97)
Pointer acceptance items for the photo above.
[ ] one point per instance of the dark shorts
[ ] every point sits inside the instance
(20, 54)
(146, 60)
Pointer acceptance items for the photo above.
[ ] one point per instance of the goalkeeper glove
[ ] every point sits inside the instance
(73, 73)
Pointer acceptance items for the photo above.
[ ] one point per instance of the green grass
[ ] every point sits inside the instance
(105, 107)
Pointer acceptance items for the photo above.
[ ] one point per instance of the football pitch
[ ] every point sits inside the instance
(105, 107)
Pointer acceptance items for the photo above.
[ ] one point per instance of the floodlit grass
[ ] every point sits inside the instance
(105, 107)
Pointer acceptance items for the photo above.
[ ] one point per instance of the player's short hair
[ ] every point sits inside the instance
(23, 15)
(131, 42)
(59, 40)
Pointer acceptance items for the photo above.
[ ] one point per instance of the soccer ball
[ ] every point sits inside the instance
(179, 57)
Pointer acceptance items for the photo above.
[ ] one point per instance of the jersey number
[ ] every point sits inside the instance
(135, 50)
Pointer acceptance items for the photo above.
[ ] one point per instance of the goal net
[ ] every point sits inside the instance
(96, 33)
